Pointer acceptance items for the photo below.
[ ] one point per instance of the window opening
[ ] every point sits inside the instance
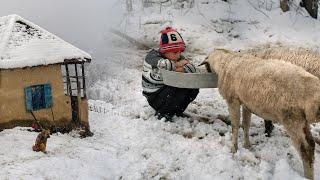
(74, 78)
(38, 97)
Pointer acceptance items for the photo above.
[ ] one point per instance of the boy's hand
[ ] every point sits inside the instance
(180, 64)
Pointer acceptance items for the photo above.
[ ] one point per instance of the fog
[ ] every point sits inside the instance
(83, 23)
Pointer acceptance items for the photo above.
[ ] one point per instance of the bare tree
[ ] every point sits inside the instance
(146, 3)
(129, 5)
(311, 6)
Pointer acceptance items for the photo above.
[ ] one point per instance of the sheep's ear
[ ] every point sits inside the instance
(205, 62)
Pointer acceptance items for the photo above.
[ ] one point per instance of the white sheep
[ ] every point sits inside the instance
(273, 89)
(307, 59)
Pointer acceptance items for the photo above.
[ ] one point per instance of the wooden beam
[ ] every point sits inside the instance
(77, 78)
(77, 61)
(68, 81)
(83, 81)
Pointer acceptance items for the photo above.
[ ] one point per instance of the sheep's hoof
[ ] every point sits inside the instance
(247, 145)
(268, 127)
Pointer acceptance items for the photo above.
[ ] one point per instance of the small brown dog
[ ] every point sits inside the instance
(41, 141)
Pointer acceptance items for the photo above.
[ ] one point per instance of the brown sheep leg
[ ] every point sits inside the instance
(234, 110)
(268, 127)
(246, 120)
(302, 138)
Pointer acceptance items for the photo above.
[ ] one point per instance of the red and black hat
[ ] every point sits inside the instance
(171, 41)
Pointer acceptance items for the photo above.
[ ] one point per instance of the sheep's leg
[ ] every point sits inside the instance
(246, 120)
(234, 110)
(304, 143)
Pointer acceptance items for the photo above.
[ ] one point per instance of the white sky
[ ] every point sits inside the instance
(84, 23)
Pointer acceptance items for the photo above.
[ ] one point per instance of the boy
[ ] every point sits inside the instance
(167, 100)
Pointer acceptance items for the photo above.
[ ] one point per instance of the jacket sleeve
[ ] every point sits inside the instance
(153, 57)
(189, 68)
(157, 62)
(166, 64)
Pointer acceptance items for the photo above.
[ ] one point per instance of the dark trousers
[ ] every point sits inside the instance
(171, 100)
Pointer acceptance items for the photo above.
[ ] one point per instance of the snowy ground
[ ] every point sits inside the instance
(129, 143)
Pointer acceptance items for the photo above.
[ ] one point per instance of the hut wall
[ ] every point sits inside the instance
(13, 104)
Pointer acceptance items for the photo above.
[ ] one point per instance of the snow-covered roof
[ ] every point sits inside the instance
(23, 44)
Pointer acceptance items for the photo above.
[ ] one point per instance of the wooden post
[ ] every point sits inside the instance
(77, 78)
(79, 102)
(68, 81)
(83, 82)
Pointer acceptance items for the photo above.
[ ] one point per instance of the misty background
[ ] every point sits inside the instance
(83, 23)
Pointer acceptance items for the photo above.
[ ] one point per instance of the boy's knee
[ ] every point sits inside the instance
(189, 68)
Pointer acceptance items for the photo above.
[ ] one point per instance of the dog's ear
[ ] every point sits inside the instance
(43, 132)
(48, 133)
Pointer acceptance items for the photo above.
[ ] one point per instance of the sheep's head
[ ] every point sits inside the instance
(215, 59)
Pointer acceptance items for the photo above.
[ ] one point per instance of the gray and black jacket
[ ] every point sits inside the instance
(152, 79)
